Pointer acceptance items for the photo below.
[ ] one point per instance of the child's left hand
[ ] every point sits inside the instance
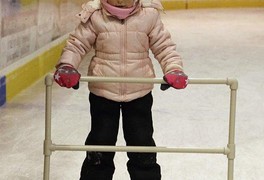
(176, 79)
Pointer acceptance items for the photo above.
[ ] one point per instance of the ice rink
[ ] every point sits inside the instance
(214, 43)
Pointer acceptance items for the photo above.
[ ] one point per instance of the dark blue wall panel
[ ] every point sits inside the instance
(2, 90)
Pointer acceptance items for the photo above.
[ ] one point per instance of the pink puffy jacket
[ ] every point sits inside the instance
(122, 48)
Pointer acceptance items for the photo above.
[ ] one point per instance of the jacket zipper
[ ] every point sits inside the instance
(123, 55)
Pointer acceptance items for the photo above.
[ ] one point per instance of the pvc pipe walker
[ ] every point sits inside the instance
(229, 150)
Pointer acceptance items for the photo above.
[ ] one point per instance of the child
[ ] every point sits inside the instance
(122, 32)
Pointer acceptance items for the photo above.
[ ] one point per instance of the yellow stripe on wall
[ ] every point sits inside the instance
(21, 78)
(190, 4)
(171, 5)
(225, 3)
(48, 59)
(29, 73)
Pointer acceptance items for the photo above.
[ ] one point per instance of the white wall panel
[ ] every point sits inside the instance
(27, 25)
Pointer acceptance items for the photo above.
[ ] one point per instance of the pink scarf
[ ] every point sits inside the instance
(120, 13)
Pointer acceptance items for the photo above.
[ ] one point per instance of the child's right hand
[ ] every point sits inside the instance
(67, 76)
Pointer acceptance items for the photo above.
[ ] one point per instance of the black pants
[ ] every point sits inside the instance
(138, 131)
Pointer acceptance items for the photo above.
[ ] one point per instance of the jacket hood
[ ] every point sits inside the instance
(93, 5)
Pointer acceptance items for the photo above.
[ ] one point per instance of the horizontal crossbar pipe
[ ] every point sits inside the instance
(141, 149)
(148, 80)
(227, 81)
(122, 80)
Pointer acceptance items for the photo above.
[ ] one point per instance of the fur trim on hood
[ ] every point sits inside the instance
(93, 5)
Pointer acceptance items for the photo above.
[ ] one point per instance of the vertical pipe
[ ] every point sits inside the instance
(231, 169)
(231, 140)
(46, 167)
(47, 141)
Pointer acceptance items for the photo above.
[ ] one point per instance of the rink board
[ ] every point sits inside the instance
(27, 74)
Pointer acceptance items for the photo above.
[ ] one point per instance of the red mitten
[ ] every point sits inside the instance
(176, 79)
(67, 76)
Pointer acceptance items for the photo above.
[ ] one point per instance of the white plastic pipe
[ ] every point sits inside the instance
(49, 147)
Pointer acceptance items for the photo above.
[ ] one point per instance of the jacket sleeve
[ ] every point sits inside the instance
(79, 43)
(162, 46)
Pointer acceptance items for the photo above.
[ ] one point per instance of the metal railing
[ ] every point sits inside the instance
(229, 150)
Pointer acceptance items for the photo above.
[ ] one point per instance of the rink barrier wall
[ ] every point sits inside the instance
(28, 70)
(29, 73)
